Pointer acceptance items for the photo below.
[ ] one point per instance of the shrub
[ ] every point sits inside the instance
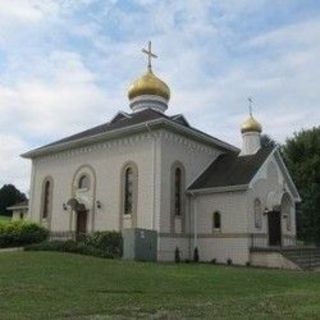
(69, 246)
(229, 261)
(19, 233)
(177, 255)
(196, 255)
(248, 263)
(214, 261)
(108, 241)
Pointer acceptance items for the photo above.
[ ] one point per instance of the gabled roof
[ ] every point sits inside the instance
(19, 205)
(230, 170)
(124, 122)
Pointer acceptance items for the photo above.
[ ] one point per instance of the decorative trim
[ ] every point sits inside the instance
(134, 215)
(87, 142)
(206, 235)
(240, 187)
(83, 169)
(177, 165)
(49, 216)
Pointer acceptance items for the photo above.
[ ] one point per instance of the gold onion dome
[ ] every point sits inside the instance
(251, 125)
(149, 84)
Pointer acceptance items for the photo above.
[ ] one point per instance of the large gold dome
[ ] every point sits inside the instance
(251, 125)
(149, 84)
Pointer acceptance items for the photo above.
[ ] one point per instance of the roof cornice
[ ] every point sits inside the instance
(117, 133)
(240, 187)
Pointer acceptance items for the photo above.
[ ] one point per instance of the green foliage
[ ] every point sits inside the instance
(196, 257)
(14, 234)
(10, 195)
(108, 241)
(267, 141)
(106, 244)
(69, 246)
(177, 255)
(302, 156)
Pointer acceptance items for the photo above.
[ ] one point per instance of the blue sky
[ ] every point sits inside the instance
(65, 65)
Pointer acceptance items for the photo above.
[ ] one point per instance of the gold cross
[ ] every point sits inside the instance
(150, 55)
(250, 105)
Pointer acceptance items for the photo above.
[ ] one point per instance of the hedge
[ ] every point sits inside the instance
(106, 244)
(18, 233)
(70, 246)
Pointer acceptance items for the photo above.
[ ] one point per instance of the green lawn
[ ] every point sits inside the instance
(48, 285)
(5, 219)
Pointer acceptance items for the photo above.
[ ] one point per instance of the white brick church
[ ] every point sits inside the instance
(152, 170)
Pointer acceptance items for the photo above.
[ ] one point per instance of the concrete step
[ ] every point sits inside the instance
(305, 258)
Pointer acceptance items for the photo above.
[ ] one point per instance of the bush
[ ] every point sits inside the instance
(214, 261)
(229, 261)
(177, 255)
(108, 241)
(196, 255)
(69, 246)
(106, 244)
(19, 233)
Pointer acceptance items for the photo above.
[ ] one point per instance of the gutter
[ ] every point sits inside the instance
(240, 187)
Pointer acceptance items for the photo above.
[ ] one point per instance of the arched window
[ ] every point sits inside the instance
(128, 191)
(46, 199)
(257, 214)
(216, 221)
(177, 192)
(84, 182)
(286, 210)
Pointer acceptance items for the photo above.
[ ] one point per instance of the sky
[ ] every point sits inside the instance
(65, 66)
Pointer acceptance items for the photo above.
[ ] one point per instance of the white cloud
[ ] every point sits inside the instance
(12, 168)
(67, 65)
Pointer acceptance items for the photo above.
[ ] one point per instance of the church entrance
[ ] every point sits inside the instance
(274, 222)
(81, 226)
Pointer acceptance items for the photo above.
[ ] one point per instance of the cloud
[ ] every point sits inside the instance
(65, 65)
(12, 169)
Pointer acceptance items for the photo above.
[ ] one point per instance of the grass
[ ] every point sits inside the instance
(49, 285)
(5, 219)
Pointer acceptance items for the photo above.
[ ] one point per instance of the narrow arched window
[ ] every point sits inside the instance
(216, 221)
(128, 191)
(84, 182)
(286, 210)
(46, 199)
(177, 191)
(257, 214)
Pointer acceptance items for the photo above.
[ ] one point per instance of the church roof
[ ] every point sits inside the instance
(125, 121)
(230, 170)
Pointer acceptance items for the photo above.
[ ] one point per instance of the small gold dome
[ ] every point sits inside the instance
(148, 84)
(251, 125)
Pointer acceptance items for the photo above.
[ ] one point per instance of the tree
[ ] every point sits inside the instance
(267, 141)
(9, 195)
(302, 156)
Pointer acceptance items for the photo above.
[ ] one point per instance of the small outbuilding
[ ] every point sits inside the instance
(19, 210)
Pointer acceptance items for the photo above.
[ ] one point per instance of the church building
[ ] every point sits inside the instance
(149, 169)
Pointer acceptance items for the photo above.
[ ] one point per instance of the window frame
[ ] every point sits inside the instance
(216, 215)
(82, 178)
(257, 212)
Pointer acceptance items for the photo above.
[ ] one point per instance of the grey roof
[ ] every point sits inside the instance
(126, 120)
(230, 169)
(22, 204)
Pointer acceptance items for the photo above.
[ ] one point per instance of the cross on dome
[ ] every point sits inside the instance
(150, 54)
(250, 99)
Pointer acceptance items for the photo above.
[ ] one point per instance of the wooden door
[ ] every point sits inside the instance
(274, 222)
(81, 222)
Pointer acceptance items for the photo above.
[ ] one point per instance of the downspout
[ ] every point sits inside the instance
(195, 222)
(154, 175)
